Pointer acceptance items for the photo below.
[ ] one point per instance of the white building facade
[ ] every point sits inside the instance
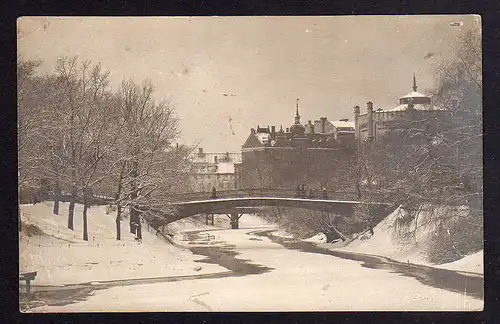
(213, 170)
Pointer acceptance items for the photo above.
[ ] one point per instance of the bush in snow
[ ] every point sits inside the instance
(454, 241)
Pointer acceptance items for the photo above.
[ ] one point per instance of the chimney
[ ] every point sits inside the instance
(215, 159)
(369, 109)
(273, 129)
(356, 124)
(323, 121)
(287, 130)
(311, 127)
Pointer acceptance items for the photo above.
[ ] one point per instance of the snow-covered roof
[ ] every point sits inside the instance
(414, 94)
(342, 124)
(404, 107)
(225, 167)
(263, 137)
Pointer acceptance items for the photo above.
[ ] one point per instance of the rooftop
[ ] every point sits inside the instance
(340, 124)
(404, 107)
(414, 94)
(263, 137)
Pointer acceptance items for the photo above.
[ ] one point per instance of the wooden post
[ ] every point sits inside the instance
(28, 287)
(212, 219)
(206, 219)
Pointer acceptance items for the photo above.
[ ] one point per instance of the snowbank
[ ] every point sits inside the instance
(282, 233)
(62, 257)
(318, 238)
(383, 243)
(297, 281)
(470, 263)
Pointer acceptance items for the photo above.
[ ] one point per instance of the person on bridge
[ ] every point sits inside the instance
(303, 193)
(214, 193)
(311, 193)
(325, 194)
(298, 191)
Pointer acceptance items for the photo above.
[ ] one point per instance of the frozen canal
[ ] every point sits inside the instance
(258, 273)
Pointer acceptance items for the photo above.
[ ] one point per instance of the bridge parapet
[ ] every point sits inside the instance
(265, 192)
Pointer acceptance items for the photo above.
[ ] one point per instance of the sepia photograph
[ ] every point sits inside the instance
(250, 163)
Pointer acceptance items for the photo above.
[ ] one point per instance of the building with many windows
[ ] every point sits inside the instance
(209, 170)
(313, 154)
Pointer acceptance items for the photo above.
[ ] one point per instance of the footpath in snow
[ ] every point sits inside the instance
(61, 256)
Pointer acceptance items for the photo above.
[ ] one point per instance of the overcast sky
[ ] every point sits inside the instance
(262, 63)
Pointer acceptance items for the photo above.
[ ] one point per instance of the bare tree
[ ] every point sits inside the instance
(434, 158)
(149, 167)
(30, 93)
(76, 133)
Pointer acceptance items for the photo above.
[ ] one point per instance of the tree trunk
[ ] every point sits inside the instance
(131, 223)
(358, 187)
(134, 214)
(135, 223)
(71, 210)
(119, 207)
(57, 195)
(139, 228)
(331, 236)
(118, 222)
(85, 207)
(334, 232)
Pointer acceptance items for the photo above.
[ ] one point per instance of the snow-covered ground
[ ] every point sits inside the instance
(318, 238)
(62, 257)
(297, 281)
(282, 233)
(383, 244)
(471, 263)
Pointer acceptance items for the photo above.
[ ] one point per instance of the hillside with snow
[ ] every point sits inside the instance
(384, 243)
(61, 256)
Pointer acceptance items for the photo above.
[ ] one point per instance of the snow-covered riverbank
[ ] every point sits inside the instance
(295, 281)
(291, 280)
(382, 243)
(61, 256)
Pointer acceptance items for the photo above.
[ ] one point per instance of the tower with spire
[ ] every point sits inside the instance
(297, 129)
(380, 120)
(297, 116)
(414, 97)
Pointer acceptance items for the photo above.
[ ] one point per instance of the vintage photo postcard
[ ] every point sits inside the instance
(227, 164)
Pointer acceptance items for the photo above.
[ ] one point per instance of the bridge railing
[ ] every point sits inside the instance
(266, 192)
(251, 192)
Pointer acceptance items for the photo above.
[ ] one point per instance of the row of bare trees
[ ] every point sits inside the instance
(79, 137)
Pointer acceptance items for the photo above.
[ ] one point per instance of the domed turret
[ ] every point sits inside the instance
(414, 97)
